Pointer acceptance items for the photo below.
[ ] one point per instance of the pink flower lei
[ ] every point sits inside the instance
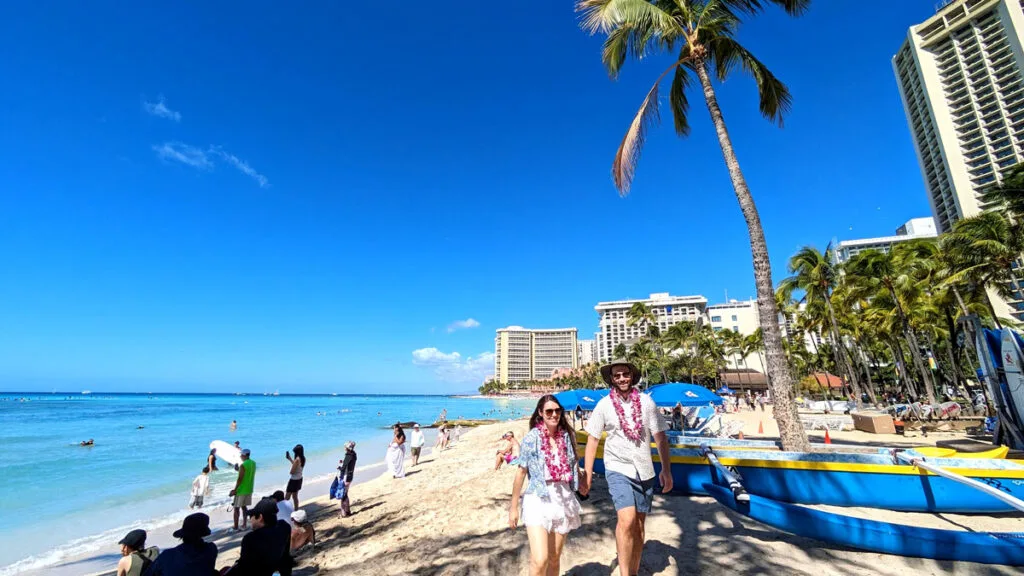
(632, 429)
(556, 460)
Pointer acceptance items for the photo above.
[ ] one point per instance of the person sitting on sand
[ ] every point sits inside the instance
(416, 443)
(396, 453)
(284, 507)
(345, 472)
(242, 492)
(508, 451)
(303, 531)
(630, 419)
(264, 548)
(550, 509)
(193, 555)
(211, 460)
(135, 557)
(200, 489)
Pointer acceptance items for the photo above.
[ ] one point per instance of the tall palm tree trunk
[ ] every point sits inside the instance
(791, 431)
(867, 372)
(843, 361)
(915, 349)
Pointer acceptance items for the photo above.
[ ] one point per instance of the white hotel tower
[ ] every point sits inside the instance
(959, 75)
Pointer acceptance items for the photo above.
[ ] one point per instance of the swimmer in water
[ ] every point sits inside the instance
(234, 426)
(88, 442)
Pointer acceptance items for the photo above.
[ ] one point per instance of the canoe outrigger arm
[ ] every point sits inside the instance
(738, 491)
(990, 490)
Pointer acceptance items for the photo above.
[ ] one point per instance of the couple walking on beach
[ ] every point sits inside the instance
(548, 459)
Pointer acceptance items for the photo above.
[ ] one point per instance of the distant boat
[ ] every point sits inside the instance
(276, 393)
(86, 392)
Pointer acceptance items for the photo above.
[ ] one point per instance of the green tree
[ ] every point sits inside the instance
(814, 273)
(985, 249)
(701, 37)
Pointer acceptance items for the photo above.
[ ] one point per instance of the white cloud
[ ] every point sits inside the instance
(242, 166)
(180, 152)
(462, 324)
(452, 367)
(204, 159)
(160, 110)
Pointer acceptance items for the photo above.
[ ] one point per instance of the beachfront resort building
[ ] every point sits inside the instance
(587, 351)
(741, 317)
(522, 354)
(914, 229)
(960, 78)
(669, 310)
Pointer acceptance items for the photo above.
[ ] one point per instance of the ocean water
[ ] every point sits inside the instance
(62, 499)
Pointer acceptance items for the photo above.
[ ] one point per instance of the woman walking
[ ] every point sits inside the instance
(211, 460)
(345, 472)
(396, 453)
(550, 509)
(295, 474)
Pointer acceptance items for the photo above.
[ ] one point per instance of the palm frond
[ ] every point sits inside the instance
(678, 101)
(775, 99)
(628, 154)
(606, 15)
(792, 7)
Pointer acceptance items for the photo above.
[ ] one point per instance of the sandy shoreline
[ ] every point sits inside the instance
(449, 517)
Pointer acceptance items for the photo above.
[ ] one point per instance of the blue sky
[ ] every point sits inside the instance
(250, 196)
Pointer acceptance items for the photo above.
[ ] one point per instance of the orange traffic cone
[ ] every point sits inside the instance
(760, 427)
(741, 434)
(828, 439)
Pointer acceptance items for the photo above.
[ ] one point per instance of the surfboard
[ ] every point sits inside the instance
(227, 452)
(1012, 357)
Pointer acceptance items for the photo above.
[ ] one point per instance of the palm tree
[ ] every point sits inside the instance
(620, 350)
(985, 249)
(641, 354)
(703, 32)
(877, 271)
(640, 314)
(814, 273)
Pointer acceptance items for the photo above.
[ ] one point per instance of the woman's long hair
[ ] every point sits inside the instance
(300, 454)
(399, 433)
(538, 417)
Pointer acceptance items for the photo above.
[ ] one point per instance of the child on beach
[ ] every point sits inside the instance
(200, 489)
(550, 509)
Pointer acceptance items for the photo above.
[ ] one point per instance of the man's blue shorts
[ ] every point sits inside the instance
(629, 492)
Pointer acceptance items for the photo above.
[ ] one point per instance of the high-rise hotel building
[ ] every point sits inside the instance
(960, 78)
(521, 354)
(668, 310)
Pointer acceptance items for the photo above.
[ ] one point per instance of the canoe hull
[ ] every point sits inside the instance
(1005, 548)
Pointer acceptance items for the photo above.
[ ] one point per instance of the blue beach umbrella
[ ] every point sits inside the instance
(668, 395)
(586, 399)
(724, 390)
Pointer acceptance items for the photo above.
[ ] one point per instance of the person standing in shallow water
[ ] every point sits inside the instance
(550, 509)
(630, 419)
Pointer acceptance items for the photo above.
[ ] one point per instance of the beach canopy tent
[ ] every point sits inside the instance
(725, 390)
(585, 399)
(668, 395)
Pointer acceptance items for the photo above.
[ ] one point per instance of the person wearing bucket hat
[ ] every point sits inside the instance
(135, 557)
(630, 418)
(346, 470)
(193, 556)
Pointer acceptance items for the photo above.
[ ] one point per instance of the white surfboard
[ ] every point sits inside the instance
(1012, 359)
(227, 452)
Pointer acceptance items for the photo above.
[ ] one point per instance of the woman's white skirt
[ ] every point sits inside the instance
(559, 512)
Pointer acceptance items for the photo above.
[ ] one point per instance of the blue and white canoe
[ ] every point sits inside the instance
(875, 480)
(1006, 548)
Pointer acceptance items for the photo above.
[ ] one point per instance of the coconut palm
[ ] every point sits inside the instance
(814, 273)
(700, 37)
(985, 249)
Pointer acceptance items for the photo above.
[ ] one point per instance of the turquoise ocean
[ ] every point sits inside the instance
(62, 500)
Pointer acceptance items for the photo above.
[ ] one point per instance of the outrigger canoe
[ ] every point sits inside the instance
(1005, 548)
(878, 479)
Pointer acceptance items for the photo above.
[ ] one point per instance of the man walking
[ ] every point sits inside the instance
(242, 492)
(416, 442)
(630, 419)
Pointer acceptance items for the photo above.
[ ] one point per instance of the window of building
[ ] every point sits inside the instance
(734, 318)
(735, 328)
(716, 318)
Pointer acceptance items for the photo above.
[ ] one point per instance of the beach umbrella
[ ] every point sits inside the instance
(585, 399)
(725, 390)
(668, 395)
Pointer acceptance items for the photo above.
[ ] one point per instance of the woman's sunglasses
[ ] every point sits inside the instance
(552, 411)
